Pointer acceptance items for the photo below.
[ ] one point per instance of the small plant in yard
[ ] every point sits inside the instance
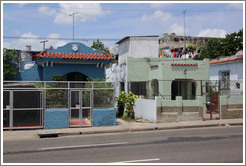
(121, 104)
(127, 102)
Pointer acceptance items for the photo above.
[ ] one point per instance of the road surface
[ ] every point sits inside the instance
(200, 145)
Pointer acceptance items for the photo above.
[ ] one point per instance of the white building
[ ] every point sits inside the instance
(229, 71)
(130, 46)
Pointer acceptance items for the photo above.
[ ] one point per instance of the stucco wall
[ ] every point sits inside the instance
(145, 109)
(90, 70)
(56, 118)
(34, 73)
(104, 117)
(138, 47)
(116, 74)
(137, 69)
(235, 68)
(142, 47)
(179, 110)
(231, 107)
(144, 69)
(124, 49)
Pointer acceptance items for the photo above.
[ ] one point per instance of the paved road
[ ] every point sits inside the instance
(200, 145)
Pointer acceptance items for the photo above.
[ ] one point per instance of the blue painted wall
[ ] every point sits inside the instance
(90, 70)
(33, 74)
(56, 118)
(104, 117)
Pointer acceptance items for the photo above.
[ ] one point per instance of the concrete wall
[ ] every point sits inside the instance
(144, 69)
(104, 117)
(90, 70)
(231, 107)
(116, 73)
(137, 69)
(143, 47)
(124, 51)
(145, 109)
(138, 47)
(56, 118)
(179, 110)
(34, 73)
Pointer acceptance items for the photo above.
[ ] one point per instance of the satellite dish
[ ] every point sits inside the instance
(155, 85)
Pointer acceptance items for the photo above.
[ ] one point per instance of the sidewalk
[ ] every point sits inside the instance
(121, 126)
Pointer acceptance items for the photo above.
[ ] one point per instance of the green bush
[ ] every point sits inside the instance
(126, 102)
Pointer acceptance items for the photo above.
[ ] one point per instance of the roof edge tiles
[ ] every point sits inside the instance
(83, 52)
(227, 60)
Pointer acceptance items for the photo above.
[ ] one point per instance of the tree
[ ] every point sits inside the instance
(100, 46)
(228, 46)
(10, 60)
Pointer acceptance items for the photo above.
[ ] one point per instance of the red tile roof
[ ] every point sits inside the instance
(227, 60)
(104, 56)
(184, 64)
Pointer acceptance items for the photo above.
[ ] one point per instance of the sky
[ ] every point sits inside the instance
(30, 23)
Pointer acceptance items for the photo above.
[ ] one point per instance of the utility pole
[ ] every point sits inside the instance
(73, 22)
(184, 26)
(44, 41)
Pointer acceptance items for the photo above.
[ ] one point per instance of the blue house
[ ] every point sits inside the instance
(74, 62)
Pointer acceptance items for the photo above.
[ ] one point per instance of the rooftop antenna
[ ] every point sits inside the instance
(44, 41)
(73, 22)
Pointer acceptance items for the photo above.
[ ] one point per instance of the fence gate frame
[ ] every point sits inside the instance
(81, 107)
(11, 108)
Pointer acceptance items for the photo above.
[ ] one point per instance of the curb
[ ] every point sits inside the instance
(56, 134)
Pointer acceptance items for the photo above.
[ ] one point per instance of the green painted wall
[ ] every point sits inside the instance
(146, 69)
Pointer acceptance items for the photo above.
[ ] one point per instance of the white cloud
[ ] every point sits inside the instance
(46, 10)
(34, 42)
(177, 29)
(54, 35)
(85, 12)
(237, 6)
(160, 15)
(212, 33)
(160, 5)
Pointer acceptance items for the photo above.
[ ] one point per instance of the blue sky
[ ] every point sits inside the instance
(114, 21)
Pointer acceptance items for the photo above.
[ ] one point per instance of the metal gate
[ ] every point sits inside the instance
(80, 111)
(22, 109)
(212, 100)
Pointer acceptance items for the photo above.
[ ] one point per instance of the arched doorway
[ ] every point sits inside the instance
(75, 76)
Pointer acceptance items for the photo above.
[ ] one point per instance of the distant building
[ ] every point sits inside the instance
(170, 42)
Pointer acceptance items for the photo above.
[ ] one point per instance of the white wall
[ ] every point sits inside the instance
(142, 47)
(116, 73)
(235, 68)
(123, 50)
(138, 47)
(145, 109)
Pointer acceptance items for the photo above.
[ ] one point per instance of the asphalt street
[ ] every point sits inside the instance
(198, 145)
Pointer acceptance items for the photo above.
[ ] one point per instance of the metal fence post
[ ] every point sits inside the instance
(91, 102)
(44, 104)
(211, 104)
(11, 114)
